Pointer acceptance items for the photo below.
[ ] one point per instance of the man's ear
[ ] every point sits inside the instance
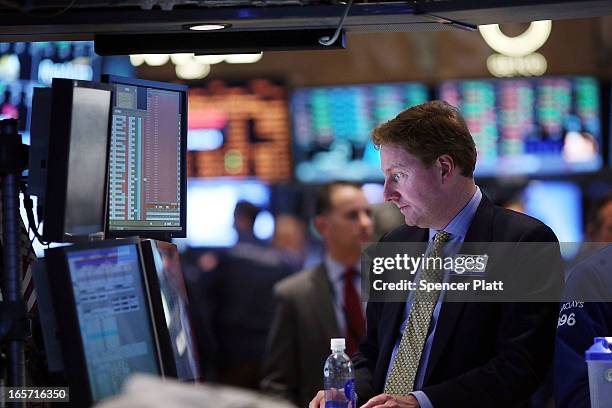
(320, 223)
(447, 166)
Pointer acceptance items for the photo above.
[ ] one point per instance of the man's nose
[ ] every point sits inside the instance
(365, 220)
(389, 193)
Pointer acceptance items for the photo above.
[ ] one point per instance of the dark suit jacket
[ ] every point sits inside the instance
(483, 354)
(298, 343)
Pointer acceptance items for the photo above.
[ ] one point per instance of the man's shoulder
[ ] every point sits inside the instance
(509, 225)
(298, 283)
(591, 277)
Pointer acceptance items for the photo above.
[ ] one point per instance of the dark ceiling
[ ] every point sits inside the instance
(35, 20)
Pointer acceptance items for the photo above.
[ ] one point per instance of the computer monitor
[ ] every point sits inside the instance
(543, 126)
(332, 128)
(76, 159)
(105, 326)
(147, 165)
(166, 280)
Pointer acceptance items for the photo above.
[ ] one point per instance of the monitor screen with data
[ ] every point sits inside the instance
(105, 324)
(147, 169)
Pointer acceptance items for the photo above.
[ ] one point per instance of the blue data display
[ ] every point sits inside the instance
(332, 128)
(549, 125)
(114, 316)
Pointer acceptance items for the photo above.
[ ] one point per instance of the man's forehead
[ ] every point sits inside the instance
(347, 195)
(396, 157)
(396, 165)
(606, 210)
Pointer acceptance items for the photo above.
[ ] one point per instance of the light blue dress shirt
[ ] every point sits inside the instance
(335, 272)
(458, 228)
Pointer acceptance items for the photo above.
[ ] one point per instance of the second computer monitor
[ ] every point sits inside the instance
(106, 322)
(147, 168)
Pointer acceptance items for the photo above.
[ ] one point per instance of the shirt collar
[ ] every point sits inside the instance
(336, 269)
(461, 222)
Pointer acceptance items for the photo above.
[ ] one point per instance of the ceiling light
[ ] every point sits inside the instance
(192, 70)
(181, 58)
(243, 58)
(207, 27)
(524, 44)
(136, 60)
(156, 60)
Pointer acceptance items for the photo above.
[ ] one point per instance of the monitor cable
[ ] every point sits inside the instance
(326, 41)
(28, 204)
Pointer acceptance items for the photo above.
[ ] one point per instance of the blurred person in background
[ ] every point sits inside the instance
(234, 298)
(598, 231)
(585, 313)
(386, 217)
(599, 228)
(290, 240)
(245, 214)
(320, 303)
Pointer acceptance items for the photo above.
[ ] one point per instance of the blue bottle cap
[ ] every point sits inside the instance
(601, 350)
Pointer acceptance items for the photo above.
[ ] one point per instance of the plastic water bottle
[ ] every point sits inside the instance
(599, 362)
(339, 378)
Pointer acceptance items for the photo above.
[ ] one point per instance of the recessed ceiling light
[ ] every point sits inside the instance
(207, 27)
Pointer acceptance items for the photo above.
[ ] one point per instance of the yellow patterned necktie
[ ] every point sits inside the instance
(406, 362)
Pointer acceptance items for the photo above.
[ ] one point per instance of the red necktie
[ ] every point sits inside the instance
(355, 325)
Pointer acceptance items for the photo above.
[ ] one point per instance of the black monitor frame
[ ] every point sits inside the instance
(59, 196)
(164, 235)
(69, 334)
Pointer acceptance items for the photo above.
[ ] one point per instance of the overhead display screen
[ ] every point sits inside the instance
(332, 128)
(549, 125)
(239, 131)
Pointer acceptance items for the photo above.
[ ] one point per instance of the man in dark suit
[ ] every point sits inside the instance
(421, 353)
(320, 303)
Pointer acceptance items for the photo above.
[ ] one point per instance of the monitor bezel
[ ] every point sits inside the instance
(165, 235)
(75, 363)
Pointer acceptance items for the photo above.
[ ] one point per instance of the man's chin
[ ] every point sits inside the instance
(410, 220)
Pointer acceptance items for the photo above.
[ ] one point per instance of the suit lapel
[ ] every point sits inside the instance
(479, 231)
(322, 303)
